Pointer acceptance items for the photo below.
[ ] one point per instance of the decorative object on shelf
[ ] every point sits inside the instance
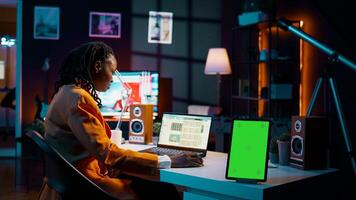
(281, 91)
(248, 18)
(275, 55)
(46, 23)
(244, 87)
(217, 63)
(107, 25)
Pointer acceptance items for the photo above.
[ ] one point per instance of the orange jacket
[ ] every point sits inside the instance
(76, 128)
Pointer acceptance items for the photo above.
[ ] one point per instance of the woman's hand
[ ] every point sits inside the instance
(186, 160)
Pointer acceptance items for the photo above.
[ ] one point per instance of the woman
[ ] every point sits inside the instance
(75, 126)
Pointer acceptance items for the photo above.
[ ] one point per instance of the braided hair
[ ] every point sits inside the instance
(77, 66)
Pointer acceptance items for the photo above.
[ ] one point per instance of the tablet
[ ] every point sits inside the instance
(247, 158)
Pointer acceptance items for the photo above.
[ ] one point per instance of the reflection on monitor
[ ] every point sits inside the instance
(144, 90)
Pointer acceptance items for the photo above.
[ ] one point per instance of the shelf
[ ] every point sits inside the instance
(249, 98)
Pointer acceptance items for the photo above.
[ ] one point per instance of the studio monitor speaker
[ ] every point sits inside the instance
(309, 142)
(141, 123)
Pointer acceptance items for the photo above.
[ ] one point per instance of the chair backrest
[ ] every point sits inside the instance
(63, 176)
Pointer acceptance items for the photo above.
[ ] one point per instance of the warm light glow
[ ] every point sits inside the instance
(260, 102)
(301, 72)
(217, 62)
(262, 72)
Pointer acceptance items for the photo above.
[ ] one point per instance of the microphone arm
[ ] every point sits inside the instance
(287, 26)
(125, 98)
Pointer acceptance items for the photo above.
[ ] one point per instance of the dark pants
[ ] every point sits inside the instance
(152, 190)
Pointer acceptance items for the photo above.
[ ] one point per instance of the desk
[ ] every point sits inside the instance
(208, 182)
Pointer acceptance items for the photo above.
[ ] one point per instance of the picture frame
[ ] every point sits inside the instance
(160, 27)
(105, 25)
(46, 23)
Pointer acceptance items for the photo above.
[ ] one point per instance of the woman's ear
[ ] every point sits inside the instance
(97, 67)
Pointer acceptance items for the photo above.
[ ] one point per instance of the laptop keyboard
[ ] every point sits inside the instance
(167, 151)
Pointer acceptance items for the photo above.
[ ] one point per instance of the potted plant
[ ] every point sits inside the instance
(273, 150)
(156, 130)
(284, 148)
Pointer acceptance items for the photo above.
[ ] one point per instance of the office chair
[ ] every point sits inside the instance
(63, 177)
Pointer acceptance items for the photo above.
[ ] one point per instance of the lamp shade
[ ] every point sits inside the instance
(217, 62)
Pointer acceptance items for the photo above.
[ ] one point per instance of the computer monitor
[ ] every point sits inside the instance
(144, 90)
(247, 158)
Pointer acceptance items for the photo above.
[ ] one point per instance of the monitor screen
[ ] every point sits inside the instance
(247, 159)
(144, 90)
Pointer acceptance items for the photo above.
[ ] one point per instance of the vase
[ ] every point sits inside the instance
(283, 152)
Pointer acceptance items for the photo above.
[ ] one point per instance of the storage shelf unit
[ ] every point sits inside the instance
(265, 75)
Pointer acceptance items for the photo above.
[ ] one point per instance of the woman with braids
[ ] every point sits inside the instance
(76, 128)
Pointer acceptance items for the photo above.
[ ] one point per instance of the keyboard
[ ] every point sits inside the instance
(167, 151)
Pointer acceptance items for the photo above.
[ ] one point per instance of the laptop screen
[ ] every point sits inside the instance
(247, 158)
(188, 131)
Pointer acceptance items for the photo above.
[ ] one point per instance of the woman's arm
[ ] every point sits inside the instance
(88, 126)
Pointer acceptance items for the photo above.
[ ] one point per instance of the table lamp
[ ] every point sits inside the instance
(217, 63)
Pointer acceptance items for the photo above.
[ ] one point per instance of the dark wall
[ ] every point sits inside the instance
(74, 30)
(7, 21)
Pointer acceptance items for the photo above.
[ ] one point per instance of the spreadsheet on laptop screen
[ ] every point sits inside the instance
(185, 131)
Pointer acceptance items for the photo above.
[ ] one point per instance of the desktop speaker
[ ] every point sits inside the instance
(308, 142)
(141, 123)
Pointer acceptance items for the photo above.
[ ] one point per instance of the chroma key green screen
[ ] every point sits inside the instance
(248, 151)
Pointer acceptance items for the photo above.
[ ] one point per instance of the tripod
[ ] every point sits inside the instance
(333, 57)
(332, 87)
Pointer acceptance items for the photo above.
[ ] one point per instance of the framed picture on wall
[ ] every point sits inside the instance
(105, 25)
(160, 27)
(46, 23)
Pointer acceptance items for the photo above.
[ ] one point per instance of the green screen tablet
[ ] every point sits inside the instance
(247, 159)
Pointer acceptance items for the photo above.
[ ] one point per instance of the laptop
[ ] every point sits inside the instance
(182, 133)
(247, 158)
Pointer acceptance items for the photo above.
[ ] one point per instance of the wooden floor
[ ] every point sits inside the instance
(16, 180)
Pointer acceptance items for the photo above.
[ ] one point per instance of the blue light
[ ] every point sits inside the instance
(8, 42)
